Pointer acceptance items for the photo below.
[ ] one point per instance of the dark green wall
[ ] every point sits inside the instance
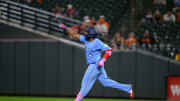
(36, 67)
(54, 68)
(7, 68)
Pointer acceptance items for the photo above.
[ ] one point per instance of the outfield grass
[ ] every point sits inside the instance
(12, 98)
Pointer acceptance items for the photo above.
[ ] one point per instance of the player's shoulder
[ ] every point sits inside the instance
(98, 40)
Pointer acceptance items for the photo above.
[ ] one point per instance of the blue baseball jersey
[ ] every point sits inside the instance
(93, 49)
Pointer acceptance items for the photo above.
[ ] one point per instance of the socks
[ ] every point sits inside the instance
(79, 97)
(130, 91)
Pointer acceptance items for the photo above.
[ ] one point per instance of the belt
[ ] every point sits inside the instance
(91, 63)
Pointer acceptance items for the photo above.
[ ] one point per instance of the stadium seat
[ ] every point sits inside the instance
(113, 10)
(167, 34)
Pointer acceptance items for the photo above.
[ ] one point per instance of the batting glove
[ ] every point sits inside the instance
(105, 57)
(101, 62)
(61, 25)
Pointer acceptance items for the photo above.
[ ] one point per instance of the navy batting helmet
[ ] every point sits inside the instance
(91, 33)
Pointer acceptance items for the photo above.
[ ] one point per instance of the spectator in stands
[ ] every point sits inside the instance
(58, 11)
(177, 11)
(77, 28)
(102, 28)
(39, 1)
(155, 40)
(86, 24)
(117, 41)
(159, 3)
(157, 16)
(71, 12)
(149, 16)
(80, 28)
(93, 21)
(131, 41)
(169, 17)
(102, 20)
(177, 58)
(145, 40)
(86, 18)
(177, 3)
(178, 15)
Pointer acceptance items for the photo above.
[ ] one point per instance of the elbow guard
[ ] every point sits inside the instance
(107, 53)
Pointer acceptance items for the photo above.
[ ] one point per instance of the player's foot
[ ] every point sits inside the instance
(79, 97)
(131, 94)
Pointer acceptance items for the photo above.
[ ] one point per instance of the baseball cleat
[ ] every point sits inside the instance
(131, 94)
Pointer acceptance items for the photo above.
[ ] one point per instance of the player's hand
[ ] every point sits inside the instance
(61, 25)
(101, 62)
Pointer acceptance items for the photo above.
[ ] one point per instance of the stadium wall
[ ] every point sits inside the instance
(56, 69)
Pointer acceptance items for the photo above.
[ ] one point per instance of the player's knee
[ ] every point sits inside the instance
(105, 85)
(103, 82)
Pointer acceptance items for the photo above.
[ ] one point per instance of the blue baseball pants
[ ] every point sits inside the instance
(94, 72)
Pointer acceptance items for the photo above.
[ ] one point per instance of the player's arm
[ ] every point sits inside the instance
(105, 57)
(69, 31)
(72, 33)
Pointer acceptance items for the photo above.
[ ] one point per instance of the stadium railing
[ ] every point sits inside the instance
(34, 18)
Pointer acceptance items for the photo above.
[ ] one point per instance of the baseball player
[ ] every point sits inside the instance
(95, 70)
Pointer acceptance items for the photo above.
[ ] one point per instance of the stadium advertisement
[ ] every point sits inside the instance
(173, 88)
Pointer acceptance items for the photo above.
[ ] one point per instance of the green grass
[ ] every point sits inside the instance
(13, 98)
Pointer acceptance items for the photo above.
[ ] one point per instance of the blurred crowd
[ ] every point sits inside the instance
(102, 26)
(162, 11)
(70, 11)
(132, 41)
(116, 40)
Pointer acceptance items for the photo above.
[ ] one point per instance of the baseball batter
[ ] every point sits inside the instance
(95, 70)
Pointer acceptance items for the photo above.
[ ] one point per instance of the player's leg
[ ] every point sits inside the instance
(89, 78)
(107, 82)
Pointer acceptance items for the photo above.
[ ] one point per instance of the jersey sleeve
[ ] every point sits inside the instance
(82, 38)
(103, 46)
